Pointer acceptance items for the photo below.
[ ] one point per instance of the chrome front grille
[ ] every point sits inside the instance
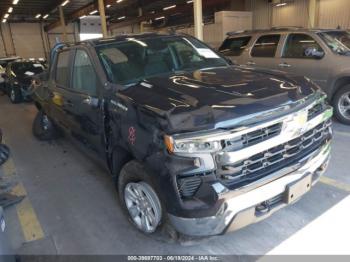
(253, 137)
(269, 161)
(315, 110)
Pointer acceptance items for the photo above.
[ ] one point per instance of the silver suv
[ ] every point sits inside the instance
(321, 55)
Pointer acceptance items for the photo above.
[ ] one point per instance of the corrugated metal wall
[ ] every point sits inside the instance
(27, 40)
(266, 16)
(2, 48)
(331, 13)
(294, 14)
(261, 13)
(56, 35)
(22, 39)
(7, 40)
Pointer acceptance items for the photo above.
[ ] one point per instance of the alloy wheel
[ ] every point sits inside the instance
(143, 205)
(344, 105)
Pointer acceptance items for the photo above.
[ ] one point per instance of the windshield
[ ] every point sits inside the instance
(337, 41)
(133, 60)
(27, 68)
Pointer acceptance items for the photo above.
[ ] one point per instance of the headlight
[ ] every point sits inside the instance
(191, 146)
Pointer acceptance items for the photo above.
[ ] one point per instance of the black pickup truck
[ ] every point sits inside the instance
(191, 141)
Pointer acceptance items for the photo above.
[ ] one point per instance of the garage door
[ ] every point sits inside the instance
(27, 40)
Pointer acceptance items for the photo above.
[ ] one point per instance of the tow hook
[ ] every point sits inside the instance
(262, 208)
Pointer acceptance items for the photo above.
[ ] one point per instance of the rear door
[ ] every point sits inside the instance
(263, 53)
(86, 105)
(303, 55)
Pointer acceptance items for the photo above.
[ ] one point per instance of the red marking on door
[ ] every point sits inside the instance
(132, 135)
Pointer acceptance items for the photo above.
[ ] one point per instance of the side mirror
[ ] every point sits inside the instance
(314, 53)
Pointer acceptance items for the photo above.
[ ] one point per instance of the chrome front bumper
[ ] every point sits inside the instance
(244, 209)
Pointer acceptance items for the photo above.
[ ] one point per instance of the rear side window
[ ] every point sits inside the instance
(266, 46)
(62, 69)
(299, 46)
(235, 46)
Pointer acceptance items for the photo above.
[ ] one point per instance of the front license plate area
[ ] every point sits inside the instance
(298, 188)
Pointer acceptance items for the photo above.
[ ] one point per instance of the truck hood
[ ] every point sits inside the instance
(219, 97)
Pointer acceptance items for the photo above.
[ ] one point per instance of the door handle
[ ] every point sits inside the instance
(285, 65)
(251, 63)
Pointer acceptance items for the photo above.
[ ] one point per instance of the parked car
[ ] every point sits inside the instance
(3, 64)
(18, 79)
(192, 142)
(321, 55)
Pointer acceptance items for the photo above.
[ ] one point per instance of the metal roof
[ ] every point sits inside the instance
(27, 10)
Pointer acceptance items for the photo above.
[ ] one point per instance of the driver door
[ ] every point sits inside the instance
(302, 55)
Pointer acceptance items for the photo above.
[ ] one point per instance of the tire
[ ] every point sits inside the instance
(341, 104)
(43, 128)
(15, 95)
(133, 175)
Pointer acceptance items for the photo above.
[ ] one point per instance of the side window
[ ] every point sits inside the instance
(301, 46)
(235, 46)
(62, 69)
(84, 75)
(266, 46)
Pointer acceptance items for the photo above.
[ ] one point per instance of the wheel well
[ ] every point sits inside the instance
(339, 84)
(120, 157)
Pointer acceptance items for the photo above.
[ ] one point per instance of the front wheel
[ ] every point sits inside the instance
(139, 199)
(143, 206)
(341, 103)
(141, 202)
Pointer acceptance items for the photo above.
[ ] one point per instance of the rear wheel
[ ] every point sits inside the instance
(15, 95)
(43, 128)
(341, 104)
